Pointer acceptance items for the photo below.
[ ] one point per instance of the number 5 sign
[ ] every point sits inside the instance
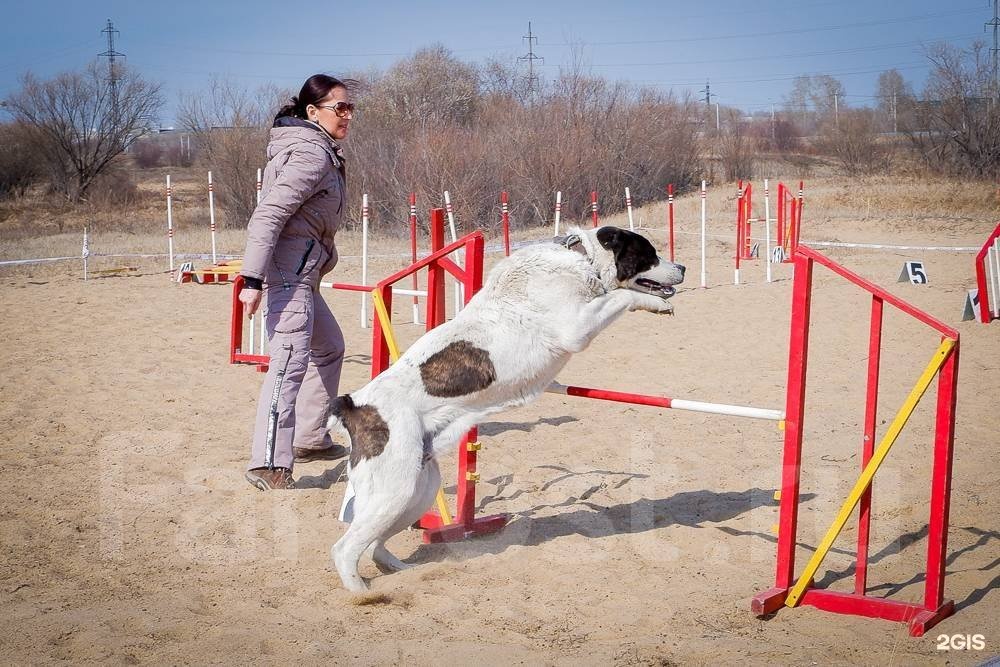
(914, 273)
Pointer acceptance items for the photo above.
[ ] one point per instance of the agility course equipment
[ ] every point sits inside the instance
(218, 273)
(988, 277)
(238, 352)
(211, 213)
(628, 207)
(788, 591)
(436, 526)
(505, 223)
(789, 220)
(593, 207)
(170, 225)
(558, 211)
(670, 219)
(704, 239)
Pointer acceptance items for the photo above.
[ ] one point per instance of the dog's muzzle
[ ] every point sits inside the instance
(652, 287)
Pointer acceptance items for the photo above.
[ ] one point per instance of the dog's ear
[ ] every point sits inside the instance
(632, 257)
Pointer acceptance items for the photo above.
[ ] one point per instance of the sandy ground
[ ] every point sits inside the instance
(638, 535)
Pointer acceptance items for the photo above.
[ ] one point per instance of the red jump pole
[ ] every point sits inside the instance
(505, 223)
(593, 206)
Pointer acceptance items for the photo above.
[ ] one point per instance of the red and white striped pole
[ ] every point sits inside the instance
(670, 217)
(505, 222)
(413, 254)
(170, 226)
(593, 206)
(459, 290)
(211, 212)
(739, 229)
(798, 217)
(628, 206)
(258, 185)
(558, 211)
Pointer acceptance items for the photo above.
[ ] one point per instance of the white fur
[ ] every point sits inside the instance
(536, 309)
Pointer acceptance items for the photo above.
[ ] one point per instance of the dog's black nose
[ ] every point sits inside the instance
(682, 268)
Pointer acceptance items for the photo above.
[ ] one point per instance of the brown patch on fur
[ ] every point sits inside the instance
(457, 370)
(369, 432)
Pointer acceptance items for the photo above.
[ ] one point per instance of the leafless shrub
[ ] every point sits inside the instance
(855, 144)
(230, 124)
(736, 149)
(955, 127)
(20, 162)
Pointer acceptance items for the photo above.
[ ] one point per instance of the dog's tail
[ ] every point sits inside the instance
(339, 409)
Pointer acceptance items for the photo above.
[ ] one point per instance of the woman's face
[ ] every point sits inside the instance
(333, 112)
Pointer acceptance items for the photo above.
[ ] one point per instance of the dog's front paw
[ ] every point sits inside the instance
(652, 304)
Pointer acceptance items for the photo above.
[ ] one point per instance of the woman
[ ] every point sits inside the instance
(290, 246)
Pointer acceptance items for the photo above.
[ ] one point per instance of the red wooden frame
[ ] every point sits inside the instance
(934, 607)
(789, 219)
(236, 353)
(744, 210)
(985, 314)
(437, 264)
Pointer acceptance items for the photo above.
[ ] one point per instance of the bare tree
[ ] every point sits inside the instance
(955, 127)
(230, 124)
(814, 100)
(20, 164)
(891, 94)
(81, 125)
(855, 143)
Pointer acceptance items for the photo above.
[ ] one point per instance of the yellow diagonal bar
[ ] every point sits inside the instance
(383, 318)
(869, 472)
(390, 341)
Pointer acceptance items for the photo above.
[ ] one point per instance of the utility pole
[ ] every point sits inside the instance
(894, 126)
(531, 58)
(113, 74)
(995, 23)
(836, 109)
(772, 122)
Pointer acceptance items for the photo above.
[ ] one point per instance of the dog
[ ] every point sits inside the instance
(537, 307)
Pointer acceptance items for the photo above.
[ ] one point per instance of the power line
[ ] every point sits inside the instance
(995, 23)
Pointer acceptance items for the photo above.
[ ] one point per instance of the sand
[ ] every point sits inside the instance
(638, 535)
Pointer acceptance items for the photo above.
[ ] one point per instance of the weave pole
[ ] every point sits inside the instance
(413, 254)
(739, 230)
(364, 259)
(505, 223)
(211, 213)
(767, 227)
(170, 226)
(558, 211)
(258, 185)
(628, 206)
(704, 214)
(593, 206)
(85, 253)
(454, 237)
(670, 219)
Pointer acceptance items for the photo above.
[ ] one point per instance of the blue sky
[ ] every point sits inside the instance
(749, 51)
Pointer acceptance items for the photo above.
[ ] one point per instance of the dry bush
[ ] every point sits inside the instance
(737, 149)
(855, 144)
(231, 127)
(147, 154)
(20, 163)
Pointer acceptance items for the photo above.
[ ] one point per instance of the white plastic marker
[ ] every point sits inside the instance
(170, 228)
(558, 210)
(628, 205)
(364, 260)
(459, 290)
(258, 185)
(211, 213)
(767, 228)
(86, 253)
(704, 279)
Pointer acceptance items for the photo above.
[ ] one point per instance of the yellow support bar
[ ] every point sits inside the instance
(383, 317)
(940, 355)
(390, 341)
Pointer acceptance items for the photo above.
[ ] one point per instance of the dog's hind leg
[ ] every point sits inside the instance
(423, 498)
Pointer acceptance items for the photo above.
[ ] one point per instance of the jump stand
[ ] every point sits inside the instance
(988, 278)
(788, 591)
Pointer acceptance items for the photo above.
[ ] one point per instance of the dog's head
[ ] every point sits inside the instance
(636, 264)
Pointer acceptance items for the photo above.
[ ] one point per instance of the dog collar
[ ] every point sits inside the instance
(573, 242)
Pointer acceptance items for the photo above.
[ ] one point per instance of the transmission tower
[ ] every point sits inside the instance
(708, 94)
(995, 23)
(113, 74)
(531, 58)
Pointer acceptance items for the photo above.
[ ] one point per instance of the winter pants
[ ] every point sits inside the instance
(307, 353)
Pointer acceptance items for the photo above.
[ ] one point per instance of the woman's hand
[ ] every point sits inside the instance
(251, 300)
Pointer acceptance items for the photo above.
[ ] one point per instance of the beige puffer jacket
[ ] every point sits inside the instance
(302, 197)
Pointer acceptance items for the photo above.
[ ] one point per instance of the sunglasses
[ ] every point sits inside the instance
(342, 109)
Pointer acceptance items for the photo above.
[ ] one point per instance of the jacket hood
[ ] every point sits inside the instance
(288, 131)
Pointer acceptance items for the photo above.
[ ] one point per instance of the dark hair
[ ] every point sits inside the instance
(316, 87)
